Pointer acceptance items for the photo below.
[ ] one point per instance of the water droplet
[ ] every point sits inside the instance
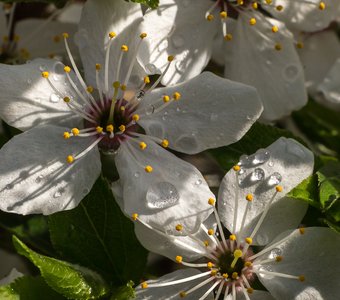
(274, 179)
(178, 41)
(165, 116)
(39, 178)
(260, 157)
(291, 72)
(150, 110)
(137, 174)
(257, 175)
(54, 98)
(161, 195)
(163, 45)
(213, 117)
(244, 160)
(262, 239)
(42, 67)
(198, 182)
(275, 253)
(241, 171)
(151, 68)
(57, 194)
(270, 164)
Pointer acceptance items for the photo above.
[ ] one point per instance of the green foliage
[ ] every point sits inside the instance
(28, 288)
(58, 3)
(124, 292)
(259, 136)
(151, 3)
(72, 281)
(97, 235)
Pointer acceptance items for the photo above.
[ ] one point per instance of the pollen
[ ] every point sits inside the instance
(56, 39)
(45, 74)
(210, 231)
(278, 258)
(176, 96)
(134, 217)
(66, 135)
(165, 143)
(322, 5)
(234, 275)
(252, 21)
(228, 37)
(70, 159)
(249, 197)
(279, 8)
(142, 145)
(236, 168)
(210, 17)
(278, 47)
(65, 35)
(213, 272)
(166, 98)
(179, 227)
(143, 35)
(238, 253)
(67, 69)
(250, 290)
(275, 29)
(249, 240)
(146, 79)
(99, 129)
(206, 243)
(255, 5)
(279, 188)
(75, 131)
(89, 89)
(116, 84)
(179, 259)
(211, 201)
(182, 294)
(122, 108)
(112, 34)
(210, 265)
(144, 285)
(300, 45)
(124, 48)
(248, 264)
(170, 58)
(109, 128)
(232, 237)
(98, 67)
(122, 128)
(223, 14)
(302, 230)
(302, 278)
(225, 275)
(148, 169)
(135, 117)
(67, 99)
(123, 87)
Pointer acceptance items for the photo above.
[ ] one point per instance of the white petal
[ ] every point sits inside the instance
(11, 277)
(211, 112)
(43, 43)
(330, 87)
(318, 55)
(315, 255)
(97, 20)
(304, 15)
(277, 75)
(174, 192)
(28, 100)
(178, 28)
(172, 292)
(35, 177)
(71, 14)
(255, 295)
(289, 159)
(171, 246)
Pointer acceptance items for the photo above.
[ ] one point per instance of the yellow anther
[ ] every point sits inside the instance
(255, 5)
(210, 17)
(176, 96)
(250, 290)
(66, 135)
(275, 29)
(134, 217)
(182, 294)
(142, 145)
(98, 67)
(99, 129)
(135, 117)
(148, 169)
(210, 231)
(123, 87)
(116, 84)
(278, 47)
(232, 237)
(144, 285)
(124, 48)
(302, 278)
(302, 230)
(248, 264)
(228, 37)
(122, 128)
(249, 197)
(166, 98)
(206, 243)
(179, 227)
(252, 21)
(210, 265)
(211, 201)
(67, 99)
(51, 55)
(234, 275)
(146, 79)
(109, 128)
(179, 259)
(240, 2)
(225, 275)
(171, 58)
(89, 89)
(67, 69)
(70, 159)
(122, 108)
(322, 5)
(165, 143)
(278, 258)
(75, 131)
(65, 35)
(213, 272)
(56, 39)
(45, 74)
(238, 253)
(223, 14)
(269, 1)
(16, 38)
(143, 35)
(236, 168)
(112, 35)
(248, 240)
(279, 8)
(300, 45)
(279, 188)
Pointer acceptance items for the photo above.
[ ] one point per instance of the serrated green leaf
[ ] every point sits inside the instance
(97, 235)
(151, 3)
(124, 292)
(28, 288)
(259, 136)
(72, 281)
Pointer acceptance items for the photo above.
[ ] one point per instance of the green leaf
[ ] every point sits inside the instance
(151, 3)
(72, 281)
(259, 136)
(124, 292)
(28, 288)
(97, 235)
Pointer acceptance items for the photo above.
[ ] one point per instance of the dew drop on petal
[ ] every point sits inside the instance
(54, 98)
(150, 110)
(198, 182)
(161, 195)
(291, 72)
(261, 157)
(137, 174)
(57, 194)
(244, 160)
(262, 239)
(42, 67)
(257, 175)
(274, 179)
(275, 253)
(270, 164)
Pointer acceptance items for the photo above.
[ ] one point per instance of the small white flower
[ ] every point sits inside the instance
(294, 264)
(51, 167)
(255, 48)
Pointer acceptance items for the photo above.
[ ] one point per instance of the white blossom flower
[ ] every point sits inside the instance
(250, 37)
(54, 164)
(294, 263)
(32, 37)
